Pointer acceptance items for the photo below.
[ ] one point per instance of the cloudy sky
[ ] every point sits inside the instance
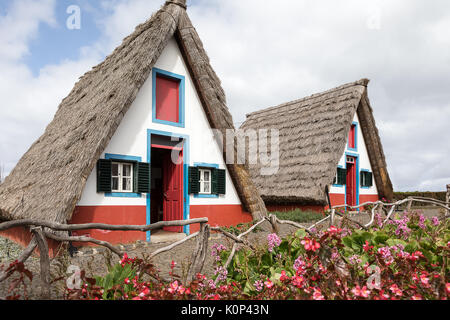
(265, 52)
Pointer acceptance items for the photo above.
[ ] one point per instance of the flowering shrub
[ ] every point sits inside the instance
(404, 259)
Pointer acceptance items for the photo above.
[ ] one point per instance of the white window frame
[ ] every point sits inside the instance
(121, 177)
(202, 181)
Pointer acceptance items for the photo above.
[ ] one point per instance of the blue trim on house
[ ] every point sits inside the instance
(109, 156)
(206, 165)
(118, 157)
(186, 155)
(182, 90)
(355, 149)
(339, 185)
(123, 195)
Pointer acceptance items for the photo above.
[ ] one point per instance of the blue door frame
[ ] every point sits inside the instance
(186, 151)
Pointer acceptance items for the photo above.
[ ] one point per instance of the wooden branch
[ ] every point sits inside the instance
(232, 236)
(101, 226)
(295, 224)
(173, 245)
(372, 219)
(85, 239)
(199, 254)
(252, 228)
(351, 220)
(23, 257)
(44, 262)
(318, 222)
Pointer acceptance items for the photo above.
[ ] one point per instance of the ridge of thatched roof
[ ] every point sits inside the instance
(313, 132)
(49, 179)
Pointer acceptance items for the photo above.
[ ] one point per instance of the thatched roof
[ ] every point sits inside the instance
(313, 134)
(49, 179)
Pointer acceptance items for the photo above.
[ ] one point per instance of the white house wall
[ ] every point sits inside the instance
(364, 162)
(131, 136)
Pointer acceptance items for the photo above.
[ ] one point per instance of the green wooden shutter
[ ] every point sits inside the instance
(214, 178)
(194, 180)
(370, 180)
(104, 175)
(366, 179)
(221, 181)
(342, 176)
(142, 181)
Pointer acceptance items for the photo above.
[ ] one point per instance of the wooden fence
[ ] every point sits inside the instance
(42, 230)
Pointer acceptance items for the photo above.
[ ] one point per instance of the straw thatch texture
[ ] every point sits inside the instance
(313, 134)
(49, 179)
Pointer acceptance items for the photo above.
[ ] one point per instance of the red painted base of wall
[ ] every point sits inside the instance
(22, 237)
(220, 215)
(115, 215)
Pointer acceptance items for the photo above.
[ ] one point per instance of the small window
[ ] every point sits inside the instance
(205, 181)
(122, 177)
(116, 177)
(366, 179)
(341, 177)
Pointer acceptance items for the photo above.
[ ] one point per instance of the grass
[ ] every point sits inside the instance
(298, 215)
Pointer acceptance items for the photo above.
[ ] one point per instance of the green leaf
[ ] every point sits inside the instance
(394, 242)
(347, 241)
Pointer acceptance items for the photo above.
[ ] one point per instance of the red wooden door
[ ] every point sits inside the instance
(173, 191)
(351, 181)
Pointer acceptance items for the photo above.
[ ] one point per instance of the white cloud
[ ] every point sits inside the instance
(267, 53)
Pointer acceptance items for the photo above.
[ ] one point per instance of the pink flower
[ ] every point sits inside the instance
(367, 247)
(334, 230)
(310, 244)
(416, 297)
(317, 295)
(173, 287)
(269, 284)
(274, 241)
(447, 287)
(283, 276)
(298, 281)
(396, 290)
(127, 281)
(361, 292)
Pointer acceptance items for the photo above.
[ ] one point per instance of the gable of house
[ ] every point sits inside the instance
(49, 180)
(313, 135)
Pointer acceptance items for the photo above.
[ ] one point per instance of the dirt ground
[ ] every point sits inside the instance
(95, 260)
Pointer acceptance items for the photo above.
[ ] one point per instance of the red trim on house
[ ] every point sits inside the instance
(22, 237)
(219, 215)
(115, 215)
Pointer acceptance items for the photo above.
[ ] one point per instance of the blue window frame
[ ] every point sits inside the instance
(181, 79)
(118, 158)
(206, 166)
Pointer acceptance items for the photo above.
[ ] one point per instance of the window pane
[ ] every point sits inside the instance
(115, 169)
(207, 176)
(207, 188)
(115, 184)
(126, 170)
(126, 186)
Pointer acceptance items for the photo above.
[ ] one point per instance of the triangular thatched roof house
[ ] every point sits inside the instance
(53, 176)
(314, 135)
